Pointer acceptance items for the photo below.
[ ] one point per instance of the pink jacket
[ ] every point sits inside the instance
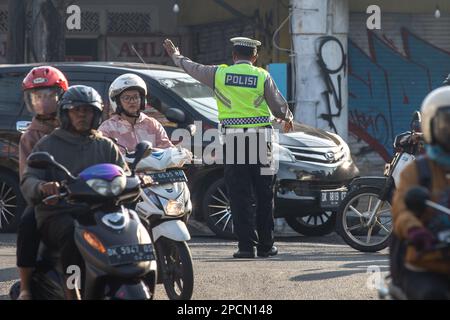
(145, 128)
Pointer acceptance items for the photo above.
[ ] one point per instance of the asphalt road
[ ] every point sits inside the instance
(305, 268)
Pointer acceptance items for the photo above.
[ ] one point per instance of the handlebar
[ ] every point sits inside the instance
(437, 206)
(55, 196)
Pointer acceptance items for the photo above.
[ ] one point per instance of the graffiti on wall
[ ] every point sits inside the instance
(387, 86)
(332, 68)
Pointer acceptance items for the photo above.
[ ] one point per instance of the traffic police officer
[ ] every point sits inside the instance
(247, 97)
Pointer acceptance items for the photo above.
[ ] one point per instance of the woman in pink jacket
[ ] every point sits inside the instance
(129, 125)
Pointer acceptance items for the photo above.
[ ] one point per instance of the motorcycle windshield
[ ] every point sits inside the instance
(104, 171)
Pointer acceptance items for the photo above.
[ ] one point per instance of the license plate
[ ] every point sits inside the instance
(168, 177)
(332, 198)
(125, 254)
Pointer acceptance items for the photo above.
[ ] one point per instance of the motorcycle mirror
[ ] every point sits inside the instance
(142, 150)
(416, 198)
(175, 115)
(116, 142)
(40, 160)
(44, 160)
(192, 129)
(416, 121)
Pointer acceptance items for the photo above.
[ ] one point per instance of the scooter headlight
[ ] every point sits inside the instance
(106, 188)
(174, 208)
(100, 186)
(118, 185)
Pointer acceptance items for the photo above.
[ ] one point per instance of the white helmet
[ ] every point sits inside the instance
(127, 81)
(436, 117)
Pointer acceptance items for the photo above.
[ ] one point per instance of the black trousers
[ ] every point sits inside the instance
(58, 233)
(426, 285)
(28, 240)
(252, 198)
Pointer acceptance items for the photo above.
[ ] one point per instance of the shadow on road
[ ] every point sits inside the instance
(8, 274)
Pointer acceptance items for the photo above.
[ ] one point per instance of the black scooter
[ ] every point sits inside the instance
(117, 252)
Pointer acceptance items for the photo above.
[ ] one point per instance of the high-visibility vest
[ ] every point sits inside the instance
(239, 92)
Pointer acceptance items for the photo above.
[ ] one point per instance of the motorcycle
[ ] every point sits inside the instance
(417, 199)
(364, 219)
(164, 208)
(116, 249)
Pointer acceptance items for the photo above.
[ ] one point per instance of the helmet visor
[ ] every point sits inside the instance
(42, 101)
(441, 128)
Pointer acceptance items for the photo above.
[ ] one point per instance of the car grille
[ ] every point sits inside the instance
(318, 155)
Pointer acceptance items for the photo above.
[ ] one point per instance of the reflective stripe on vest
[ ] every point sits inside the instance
(239, 91)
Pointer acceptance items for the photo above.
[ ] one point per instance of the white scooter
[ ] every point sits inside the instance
(164, 208)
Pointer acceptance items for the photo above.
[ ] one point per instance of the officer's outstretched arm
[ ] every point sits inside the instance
(204, 74)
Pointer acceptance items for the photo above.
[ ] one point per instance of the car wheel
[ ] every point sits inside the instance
(217, 211)
(314, 224)
(12, 203)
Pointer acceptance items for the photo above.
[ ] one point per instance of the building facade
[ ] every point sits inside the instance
(388, 71)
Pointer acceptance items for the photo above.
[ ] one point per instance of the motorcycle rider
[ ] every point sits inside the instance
(42, 87)
(76, 145)
(426, 272)
(128, 125)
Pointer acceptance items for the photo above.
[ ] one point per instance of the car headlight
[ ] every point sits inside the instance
(106, 188)
(281, 153)
(174, 208)
(346, 149)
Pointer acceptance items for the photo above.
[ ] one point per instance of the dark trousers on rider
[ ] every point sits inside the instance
(58, 234)
(251, 195)
(28, 239)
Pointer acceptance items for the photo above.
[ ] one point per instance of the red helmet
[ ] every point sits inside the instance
(45, 76)
(43, 86)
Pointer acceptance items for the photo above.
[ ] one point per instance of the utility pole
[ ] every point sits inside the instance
(47, 31)
(16, 31)
(319, 34)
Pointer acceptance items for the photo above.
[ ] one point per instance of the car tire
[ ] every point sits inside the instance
(12, 203)
(313, 225)
(216, 210)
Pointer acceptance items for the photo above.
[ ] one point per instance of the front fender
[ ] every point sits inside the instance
(172, 229)
(378, 182)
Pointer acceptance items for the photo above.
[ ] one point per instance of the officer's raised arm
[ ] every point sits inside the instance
(200, 72)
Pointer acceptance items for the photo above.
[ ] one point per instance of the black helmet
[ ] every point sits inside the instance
(76, 96)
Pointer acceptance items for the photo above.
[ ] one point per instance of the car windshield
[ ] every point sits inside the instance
(196, 94)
